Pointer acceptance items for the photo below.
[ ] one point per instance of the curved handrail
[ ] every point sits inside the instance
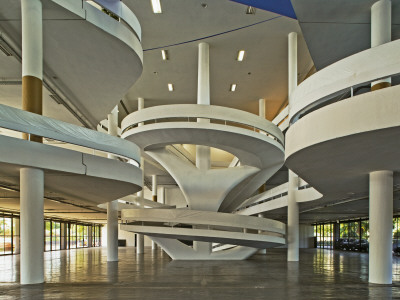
(23, 121)
(123, 12)
(361, 68)
(179, 111)
(195, 217)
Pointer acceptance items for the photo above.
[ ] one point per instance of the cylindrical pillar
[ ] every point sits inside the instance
(31, 225)
(203, 78)
(32, 59)
(380, 226)
(162, 195)
(203, 161)
(293, 208)
(293, 219)
(154, 194)
(112, 207)
(154, 187)
(203, 97)
(381, 33)
(140, 107)
(32, 180)
(113, 126)
(292, 58)
(140, 237)
(140, 244)
(261, 108)
(112, 231)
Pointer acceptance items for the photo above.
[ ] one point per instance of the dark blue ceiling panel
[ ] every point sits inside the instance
(282, 7)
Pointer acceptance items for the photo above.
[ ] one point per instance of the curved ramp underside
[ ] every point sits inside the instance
(82, 47)
(87, 178)
(338, 156)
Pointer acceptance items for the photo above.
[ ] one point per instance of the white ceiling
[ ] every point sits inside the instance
(183, 21)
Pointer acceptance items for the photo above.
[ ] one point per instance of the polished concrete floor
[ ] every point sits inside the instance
(85, 274)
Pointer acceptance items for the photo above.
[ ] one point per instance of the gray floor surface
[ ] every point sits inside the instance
(85, 274)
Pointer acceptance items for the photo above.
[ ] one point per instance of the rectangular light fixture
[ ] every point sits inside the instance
(164, 54)
(233, 87)
(170, 87)
(250, 10)
(156, 6)
(240, 55)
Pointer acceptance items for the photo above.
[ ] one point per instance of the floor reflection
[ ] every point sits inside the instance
(86, 274)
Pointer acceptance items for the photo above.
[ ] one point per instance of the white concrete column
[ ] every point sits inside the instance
(380, 226)
(203, 97)
(203, 161)
(154, 194)
(293, 219)
(381, 32)
(293, 208)
(32, 38)
(32, 224)
(261, 108)
(112, 231)
(292, 58)
(261, 251)
(140, 237)
(32, 180)
(112, 207)
(154, 187)
(162, 194)
(140, 244)
(140, 107)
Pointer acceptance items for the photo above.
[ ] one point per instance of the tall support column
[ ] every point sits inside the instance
(154, 194)
(203, 161)
(381, 33)
(162, 194)
(32, 180)
(140, 107)
(32, 224)
(32, 59)
(154, 187)
(140, 237)
(64, 236)
(112, 207)
(203, 97)
(293, 219)
(261, 108)
(293, 208)
(380, 226)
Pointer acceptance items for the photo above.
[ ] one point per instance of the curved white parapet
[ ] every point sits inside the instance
(179, 251)
(172, 217)
(260, 154)
(253, 240)
(343, 142)
(230, 116)
(118, 8)
(364, 67)
(23, 121)
(77, 176)
(84, 49)
(254, 141)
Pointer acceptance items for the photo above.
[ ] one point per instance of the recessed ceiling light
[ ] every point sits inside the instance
(233, 87)
(156, 6)
(240, 55)
(164, 54)
(170, 87)
(250, 10)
